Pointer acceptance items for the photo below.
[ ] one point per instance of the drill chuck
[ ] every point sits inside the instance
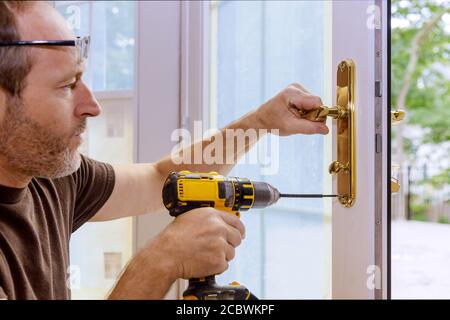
(265, 195)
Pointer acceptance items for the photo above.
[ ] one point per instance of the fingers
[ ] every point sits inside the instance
(234, 236)
(312, 127)
(295, 111)
(233, 221)
(301, 98)
(302, 126)
(302, 101)
(301, 87)
(230, 253)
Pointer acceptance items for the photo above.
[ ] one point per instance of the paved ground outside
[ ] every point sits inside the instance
(420, 260)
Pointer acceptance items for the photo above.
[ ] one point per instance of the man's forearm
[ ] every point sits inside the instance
(231, 151)
(148, 276)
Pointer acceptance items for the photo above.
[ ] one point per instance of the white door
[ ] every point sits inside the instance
(360, 233)
(235, 56)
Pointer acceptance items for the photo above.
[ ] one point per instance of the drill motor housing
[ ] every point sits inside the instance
(186, 190)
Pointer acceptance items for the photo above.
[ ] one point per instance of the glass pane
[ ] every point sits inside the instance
(113, 44)
(420, 148)
(258, 48)
(111, 26)
(99, 251)
(77, 19)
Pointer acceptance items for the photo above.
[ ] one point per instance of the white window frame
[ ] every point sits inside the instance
(157, 85)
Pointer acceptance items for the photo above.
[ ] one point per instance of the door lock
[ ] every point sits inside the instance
(344, 168)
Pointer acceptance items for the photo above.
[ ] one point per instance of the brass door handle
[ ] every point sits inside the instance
(321, 113)
(397, 116)
(336, 167)
(395, 172)
(344, 167)
(395, 186)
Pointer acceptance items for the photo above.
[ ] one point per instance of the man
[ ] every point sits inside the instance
(48, 190)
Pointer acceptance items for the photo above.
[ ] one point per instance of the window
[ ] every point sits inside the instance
(99, 251)
(257, 49)
(111, 26)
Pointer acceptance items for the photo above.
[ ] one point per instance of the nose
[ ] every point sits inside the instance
(86, 104)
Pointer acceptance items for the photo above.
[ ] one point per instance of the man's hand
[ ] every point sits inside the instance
(196, 244)
(201, 242)
(281, 112)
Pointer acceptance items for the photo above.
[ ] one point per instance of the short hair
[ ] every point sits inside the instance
(15, 62)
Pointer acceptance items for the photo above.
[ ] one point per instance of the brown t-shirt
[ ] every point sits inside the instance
(35, 228)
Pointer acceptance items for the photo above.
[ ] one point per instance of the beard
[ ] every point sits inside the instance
(33, 149)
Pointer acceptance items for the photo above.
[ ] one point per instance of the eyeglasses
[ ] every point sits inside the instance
(81, 43)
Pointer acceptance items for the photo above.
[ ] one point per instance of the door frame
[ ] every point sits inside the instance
(179, 57)
(157, 79)
(360, 232)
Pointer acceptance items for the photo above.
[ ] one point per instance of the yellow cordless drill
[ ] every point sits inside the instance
(186, 190)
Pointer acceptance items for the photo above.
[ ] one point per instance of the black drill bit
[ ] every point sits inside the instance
(288, 195)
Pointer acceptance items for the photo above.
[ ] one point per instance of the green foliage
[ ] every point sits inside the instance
(428, 101)
(418, 210)
(443, 220)
(409, 146)
(419, 217)
(440, 180)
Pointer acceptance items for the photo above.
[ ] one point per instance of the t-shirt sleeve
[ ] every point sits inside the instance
(3, 267)
(3, 295)
(94, 185)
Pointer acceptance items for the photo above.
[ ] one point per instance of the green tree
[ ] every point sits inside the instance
(420, 53)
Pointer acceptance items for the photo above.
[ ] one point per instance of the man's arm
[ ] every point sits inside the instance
(149, 275)
(138, 187)
(198, 243)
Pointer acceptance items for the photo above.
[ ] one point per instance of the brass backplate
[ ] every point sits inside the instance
(346, 143)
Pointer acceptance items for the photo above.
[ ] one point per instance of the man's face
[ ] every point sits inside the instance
(40, 133)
